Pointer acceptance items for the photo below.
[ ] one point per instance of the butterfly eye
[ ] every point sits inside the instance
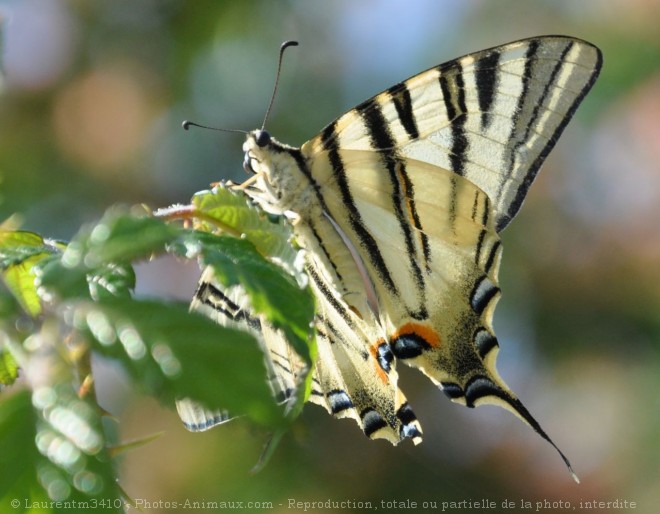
(262, 138)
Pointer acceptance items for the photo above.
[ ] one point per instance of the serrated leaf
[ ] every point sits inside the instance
(270, 234)
(96, 264)
(54, 278)
(173, 353)
(109, 280)
(18, 245)
(20, 281)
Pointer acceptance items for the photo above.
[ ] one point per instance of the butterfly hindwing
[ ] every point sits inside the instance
(433, 232)
(230, 306)
(354, 376)
(355, 367)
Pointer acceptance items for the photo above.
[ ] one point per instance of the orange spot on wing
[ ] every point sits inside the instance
(424, 331)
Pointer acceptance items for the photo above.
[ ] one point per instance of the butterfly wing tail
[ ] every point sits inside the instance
(483, 390)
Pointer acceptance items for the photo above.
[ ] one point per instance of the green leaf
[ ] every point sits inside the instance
(120, 236)
(111, 281)
(8, 367)
(18, 474)
(20, 251)
(271, 235)
(55, 280)
(17, 245)
(96, 264)
(9, 306)
(20, 281)
(173, 353)
(108, 280)
(52, 441)
(288, 308)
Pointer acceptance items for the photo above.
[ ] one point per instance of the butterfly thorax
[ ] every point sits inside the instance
(285, 185)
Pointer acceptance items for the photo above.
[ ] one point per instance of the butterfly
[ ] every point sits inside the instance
(398, 205)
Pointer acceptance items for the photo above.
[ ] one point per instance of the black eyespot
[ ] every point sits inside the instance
(262, 138)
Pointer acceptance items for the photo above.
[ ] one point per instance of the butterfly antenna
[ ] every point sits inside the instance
(284, 46)
(187, 124)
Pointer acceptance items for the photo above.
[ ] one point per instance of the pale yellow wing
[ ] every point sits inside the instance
(427, 241)
(356, 368)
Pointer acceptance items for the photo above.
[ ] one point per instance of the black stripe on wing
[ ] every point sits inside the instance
(403, 195)
(514, 206)
(491, 256)
(485, 342)
(372, 421)
(321, 245)
(211, 296)
(340, 308)
(410, 427)
(486, 78)
(535, 47)
(338, 400)
(417, 223)
(367, 241)
(400, 97)
(213, 419)
(453, 92)
(482, 387)
(482, 294)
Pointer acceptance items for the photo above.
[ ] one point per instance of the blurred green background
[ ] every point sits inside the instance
(90, 114)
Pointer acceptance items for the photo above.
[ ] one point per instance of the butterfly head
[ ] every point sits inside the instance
(256, 145)
(264, 154)
(267, 161)
(276, 174)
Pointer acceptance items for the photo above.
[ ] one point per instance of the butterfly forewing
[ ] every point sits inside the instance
(491, 116)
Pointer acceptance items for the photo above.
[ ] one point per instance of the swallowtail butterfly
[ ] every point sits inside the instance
(398, 205)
